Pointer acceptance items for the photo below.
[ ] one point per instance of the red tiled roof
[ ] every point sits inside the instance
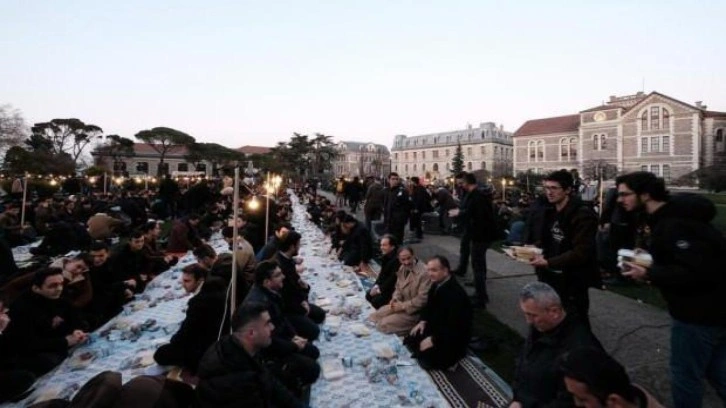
(254, 149)
(560, 124)
(143, 148)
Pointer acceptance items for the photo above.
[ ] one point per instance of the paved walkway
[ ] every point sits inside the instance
(636, 334)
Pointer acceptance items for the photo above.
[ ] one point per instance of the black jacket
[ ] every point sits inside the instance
(576, 253)
(359, 241)
(283, 333)
(688, 255)
(421, 199)
(537, 380)
(32, 331)
(204, 319)
(477, 213)
(386, 279)
(396, 206)
(293, 293)
(126, 264)
(448, 317)
(229, 377)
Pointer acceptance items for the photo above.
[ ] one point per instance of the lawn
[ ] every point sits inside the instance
(506, 344)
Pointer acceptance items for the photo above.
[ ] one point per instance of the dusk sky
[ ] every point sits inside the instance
(239, 72)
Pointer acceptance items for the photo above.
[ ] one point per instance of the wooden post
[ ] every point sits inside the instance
(25, 197)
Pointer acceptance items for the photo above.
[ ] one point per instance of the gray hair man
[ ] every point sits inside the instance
(552, 333)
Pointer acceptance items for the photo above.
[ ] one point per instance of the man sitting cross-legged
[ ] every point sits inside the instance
(440, 339)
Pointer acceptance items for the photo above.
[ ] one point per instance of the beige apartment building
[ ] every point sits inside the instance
(651, 132)
(358, 159)
(487, 147)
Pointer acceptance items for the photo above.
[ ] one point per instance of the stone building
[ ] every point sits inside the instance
(145, 161)
(652, 132)
(361, 160)
(487, 147)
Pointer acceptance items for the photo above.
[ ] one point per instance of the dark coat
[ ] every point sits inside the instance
(359, 243)
(230, 377)
(374, 200)
(108, 297)
(448, 317)
(421, 199)
(283, 333)
(183, 237)
(396, 206)
(477, 213)
(386, 279)
(688, 255)
(126, 264)
(537, 380)
(293, 292)
(576, 254)
(32, 331)
(204, 319)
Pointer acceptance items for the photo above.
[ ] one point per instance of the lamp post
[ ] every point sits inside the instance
(504, 189)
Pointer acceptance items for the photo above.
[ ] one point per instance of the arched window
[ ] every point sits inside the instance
(644, 120)
(599, 141)
(436, 167)
(540, 150)
(532, 150)
(483, 165)
(666, 119)
(655, 117)
(568, 149)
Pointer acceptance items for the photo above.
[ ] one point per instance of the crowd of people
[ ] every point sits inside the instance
(50, 307)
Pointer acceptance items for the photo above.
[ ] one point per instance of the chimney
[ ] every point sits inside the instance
(613, 98)
(700, 105)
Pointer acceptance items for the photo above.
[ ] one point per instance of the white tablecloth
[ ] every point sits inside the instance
(354, 389)
(164, 301)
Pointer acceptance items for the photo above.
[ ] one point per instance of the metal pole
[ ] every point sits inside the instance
(235, 202)
(267, 209)
(25, 197)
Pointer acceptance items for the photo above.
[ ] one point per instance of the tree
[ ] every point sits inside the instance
(529, 180)
(213, 153)
(323, 152)
(70, 136)
(12, 128)
(163, 139)
(457, 163)
(41, 161)
(115, 148)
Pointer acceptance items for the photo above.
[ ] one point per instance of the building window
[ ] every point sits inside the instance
(644, 120)
(436, 167)
(414, 155)
(448, 166)
(405, 167)
(532, 150)
(666, 143)
(666, 172)
(540, 150)
(414, 167)
(655, 144)
(644, 167)
(119, 166)
(395, 168)
(447, 152)
(720, 143)
(568, 149)
(655, 117)
(142, 167)
(201, 167)
(423, 167)
(468, 151)
(666, 119)
(483, 165)
(599, 141)
(436, 154)
(395, 156)
(483, 150)
(423, 155)
(405, 156)
(644, 145)
(182, 167)
(468, 166)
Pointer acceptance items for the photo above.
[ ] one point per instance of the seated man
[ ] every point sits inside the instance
(184, 235)
(232, 373)
(303, 315)
(129, 264)
(596, 380)
(293, 355)
(411, 293)
(244, 253)
(552, 333)
(157, 259)
(220, 266)
(205, 319)
(382, 291)
(357, 248)
(109, 294)
(270, 249)
(13, 382)
(441, 338)
(44, 326)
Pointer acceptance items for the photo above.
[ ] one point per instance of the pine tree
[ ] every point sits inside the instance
(457, 163)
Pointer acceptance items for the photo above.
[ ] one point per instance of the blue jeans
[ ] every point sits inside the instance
(697, 352)
(479, 267)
